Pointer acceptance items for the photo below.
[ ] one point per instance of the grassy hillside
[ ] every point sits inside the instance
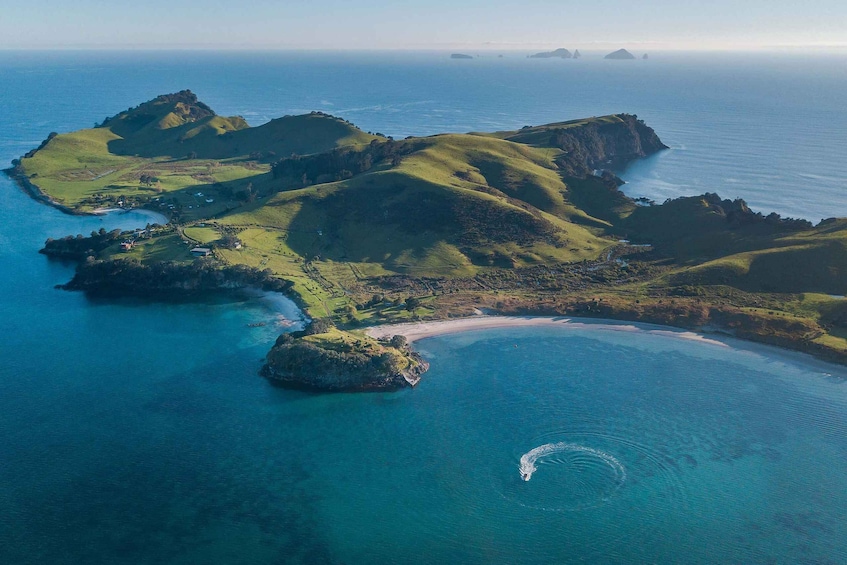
(369, 229)
(457, 204)
(174, 144)
(813, 261)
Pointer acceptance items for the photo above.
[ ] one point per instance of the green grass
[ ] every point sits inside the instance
(162, 139)
(539, 136)
(164, 248)
(355, 342)
(813, 261)
(202, 235)
(456, 209)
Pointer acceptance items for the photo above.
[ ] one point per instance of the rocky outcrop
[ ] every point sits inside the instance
(183, 104)
(305, 365)
(460, 56)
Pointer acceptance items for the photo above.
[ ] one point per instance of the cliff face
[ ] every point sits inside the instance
(596, 143)
(604, 145)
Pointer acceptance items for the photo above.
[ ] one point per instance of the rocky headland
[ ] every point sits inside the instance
(323, 358)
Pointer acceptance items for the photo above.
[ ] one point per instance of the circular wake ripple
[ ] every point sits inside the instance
(580, 476)
(592, 469)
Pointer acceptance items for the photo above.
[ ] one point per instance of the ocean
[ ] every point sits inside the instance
(141, 433)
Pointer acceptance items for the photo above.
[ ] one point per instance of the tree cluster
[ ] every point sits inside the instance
(79, 247)
(131, 277)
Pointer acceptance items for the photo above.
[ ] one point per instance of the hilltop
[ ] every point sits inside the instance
(362, 229)
(168, 145)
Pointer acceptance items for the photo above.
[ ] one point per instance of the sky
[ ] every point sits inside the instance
(419, 24)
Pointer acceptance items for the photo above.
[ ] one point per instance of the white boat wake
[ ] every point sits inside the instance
(527, 467)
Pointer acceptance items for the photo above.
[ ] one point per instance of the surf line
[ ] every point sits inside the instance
(528, 459)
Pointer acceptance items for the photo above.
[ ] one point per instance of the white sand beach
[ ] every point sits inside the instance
(419, 330)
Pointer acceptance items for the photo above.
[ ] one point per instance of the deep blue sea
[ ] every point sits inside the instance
(141, 433)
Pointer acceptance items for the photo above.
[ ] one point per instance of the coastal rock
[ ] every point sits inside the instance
(560, 53)
(322, 358)
(577, 54)
(603, 145)
(620, 55)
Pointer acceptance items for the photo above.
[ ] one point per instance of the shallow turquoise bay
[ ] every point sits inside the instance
(141, 433)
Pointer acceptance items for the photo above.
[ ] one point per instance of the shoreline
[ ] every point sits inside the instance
(35, 192)
(416, 331)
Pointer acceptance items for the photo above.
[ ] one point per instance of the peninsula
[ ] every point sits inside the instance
(362, 230)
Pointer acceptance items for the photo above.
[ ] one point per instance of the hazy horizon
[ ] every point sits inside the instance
(431, 25)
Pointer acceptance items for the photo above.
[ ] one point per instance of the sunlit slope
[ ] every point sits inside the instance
(456, 204)
(172, 143)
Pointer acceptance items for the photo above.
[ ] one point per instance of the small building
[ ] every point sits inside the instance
(201, 251)
(127, 245)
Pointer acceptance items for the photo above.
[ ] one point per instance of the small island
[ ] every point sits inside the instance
(620, 55)
(324, 358)
(460, 56)
(560, 53)
(363, 230)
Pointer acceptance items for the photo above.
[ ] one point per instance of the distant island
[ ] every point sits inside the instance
(460, 56)
(560, 53)
(620, 54)
(577, 54)
(361, 229)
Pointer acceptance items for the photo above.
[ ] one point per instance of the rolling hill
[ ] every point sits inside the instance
(367, 229)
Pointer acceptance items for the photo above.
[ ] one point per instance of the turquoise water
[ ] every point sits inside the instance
(141, 433)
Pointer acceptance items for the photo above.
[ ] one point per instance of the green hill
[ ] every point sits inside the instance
(369, 229)
(171, 143)
(450, 204)
(808, 260)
